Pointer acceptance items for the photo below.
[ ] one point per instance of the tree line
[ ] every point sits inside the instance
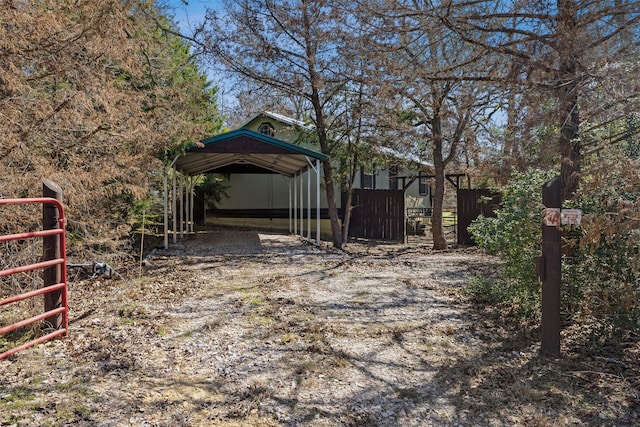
(92, 95)
(93, 90)
(509, 92)
(484, 87)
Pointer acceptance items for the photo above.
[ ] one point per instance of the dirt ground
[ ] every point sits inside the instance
(257, 329)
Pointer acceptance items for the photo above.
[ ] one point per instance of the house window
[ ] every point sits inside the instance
(267, 129)
(424, 188)
(367, 179)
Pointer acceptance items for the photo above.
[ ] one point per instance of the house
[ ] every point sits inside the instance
(261, 199)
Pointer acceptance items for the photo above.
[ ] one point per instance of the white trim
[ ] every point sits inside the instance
(279, 117)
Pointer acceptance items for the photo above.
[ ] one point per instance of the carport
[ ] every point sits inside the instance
(242, 151)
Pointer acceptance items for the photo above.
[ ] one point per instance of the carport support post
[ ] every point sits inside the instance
(174, 197)
(295, 205)
(308, 204)
(189, 203)
(301, 205)
(165, 203)
(191, 207)
(550, 272)
(181, 191)
(318, 202)
(290, 216)
(187, 207)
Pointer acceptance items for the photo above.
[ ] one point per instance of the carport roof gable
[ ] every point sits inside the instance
(242, 147)
(245, 141)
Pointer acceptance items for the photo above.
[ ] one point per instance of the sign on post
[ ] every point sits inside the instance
(551, 217)
(571, 216)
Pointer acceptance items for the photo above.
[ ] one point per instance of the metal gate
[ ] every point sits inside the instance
(377, 214)
(54, 271)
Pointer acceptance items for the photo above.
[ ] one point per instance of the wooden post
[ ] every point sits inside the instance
(51, 250)
(165, 204)
(550, 270)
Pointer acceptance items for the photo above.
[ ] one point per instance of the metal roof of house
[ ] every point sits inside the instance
(407, 157)
(245, 151)
(282, 119)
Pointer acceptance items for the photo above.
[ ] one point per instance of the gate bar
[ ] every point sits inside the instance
(31, 343)
(26, 295)
(30, 320)
(31, 267)
(19, 236)
(51, 229)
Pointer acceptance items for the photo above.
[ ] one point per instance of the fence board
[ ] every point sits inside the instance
(377, 214)
(470, 208)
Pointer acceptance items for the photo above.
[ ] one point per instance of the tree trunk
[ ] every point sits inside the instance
(321, 130)
(336, 234)
(567, 87)
(346, 217)
(437, 229)
(331, 204)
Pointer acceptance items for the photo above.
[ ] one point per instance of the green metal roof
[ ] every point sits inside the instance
(242, 150)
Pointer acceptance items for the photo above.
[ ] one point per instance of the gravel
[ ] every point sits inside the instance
(258, 329)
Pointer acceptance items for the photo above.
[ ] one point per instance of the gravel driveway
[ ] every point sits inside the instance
(251, 329)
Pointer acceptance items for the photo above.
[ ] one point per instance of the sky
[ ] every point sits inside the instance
(189, 13)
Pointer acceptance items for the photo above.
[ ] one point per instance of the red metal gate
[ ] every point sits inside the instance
(58, 290)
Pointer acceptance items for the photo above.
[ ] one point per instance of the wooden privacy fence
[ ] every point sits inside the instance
(378, 214)
(53, 265)
(471, 204)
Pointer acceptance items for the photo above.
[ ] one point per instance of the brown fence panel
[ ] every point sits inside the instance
(377, 214)
(470, 207)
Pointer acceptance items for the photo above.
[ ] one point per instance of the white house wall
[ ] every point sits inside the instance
(270, 191)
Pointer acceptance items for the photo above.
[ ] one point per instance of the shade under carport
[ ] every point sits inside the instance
(245, 151)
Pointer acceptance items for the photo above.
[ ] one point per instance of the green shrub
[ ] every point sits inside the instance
(601, 263)
(514, 235)
(602, 280)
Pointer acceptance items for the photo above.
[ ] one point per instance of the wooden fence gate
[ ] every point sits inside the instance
(377, 214)
(470, 206)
